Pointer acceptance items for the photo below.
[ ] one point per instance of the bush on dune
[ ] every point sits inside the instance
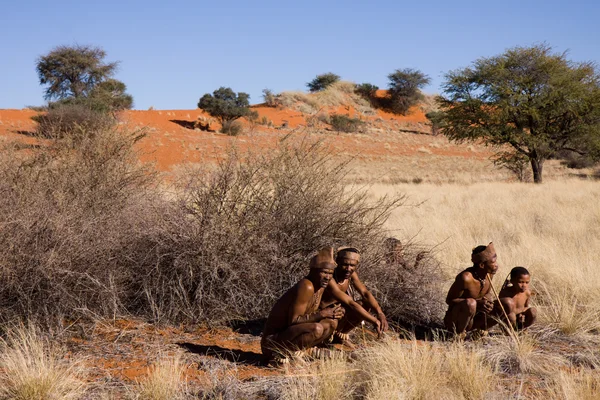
(86, 231)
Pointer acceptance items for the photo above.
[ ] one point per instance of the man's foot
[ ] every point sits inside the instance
(459, 337)
(343, 339)
(478, 334)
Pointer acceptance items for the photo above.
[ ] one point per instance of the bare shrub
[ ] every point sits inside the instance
(249, 228)
(32, 368)
(71, 120)
(70, 212)
(344, 123)
(231, 128)
(407, 281)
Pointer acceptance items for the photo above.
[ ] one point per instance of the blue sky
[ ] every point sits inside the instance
(172, 53)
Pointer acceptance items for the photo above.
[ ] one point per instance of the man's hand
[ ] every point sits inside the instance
(485, 305)
(383, 320)
(336, 312)
(377, 326)
(521, 318)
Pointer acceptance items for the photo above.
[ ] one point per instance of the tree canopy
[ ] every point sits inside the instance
(404, 89)
(78, 75)
(73, 71)
(528, 102)
(322, 81)
(225, 105)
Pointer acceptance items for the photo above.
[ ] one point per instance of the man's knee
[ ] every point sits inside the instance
(317, 330)
(508, 304)
(531, 313)
(470, 306)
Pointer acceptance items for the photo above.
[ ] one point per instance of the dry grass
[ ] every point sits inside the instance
(33, 368)
(164, 382)
(426, 371)
(338, 94)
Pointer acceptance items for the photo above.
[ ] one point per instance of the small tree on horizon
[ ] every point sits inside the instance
(533, 101)
(225, 105)
(404, 89)
(322, 82)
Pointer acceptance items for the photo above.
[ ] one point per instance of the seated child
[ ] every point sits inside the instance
(514, 296)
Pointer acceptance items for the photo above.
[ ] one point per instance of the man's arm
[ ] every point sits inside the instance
(346, 300)
(456, 291)
(370, 300)
(297, 314)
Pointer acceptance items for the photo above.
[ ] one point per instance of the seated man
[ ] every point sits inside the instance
(469, 298)
(341, 291)
(295, 322)
(515, 299)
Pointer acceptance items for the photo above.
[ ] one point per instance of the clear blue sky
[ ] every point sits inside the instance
(173, 52)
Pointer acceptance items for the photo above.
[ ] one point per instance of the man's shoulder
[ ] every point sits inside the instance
(305, 284)
(465, 275)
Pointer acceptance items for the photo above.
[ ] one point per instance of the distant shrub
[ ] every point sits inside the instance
(368, 92)
(404, 89)
(575, 160)
(322, 81)
(225, 105)
(436, 120)
(73, 120)
(269, 98)
(344, 123)
(231, 128)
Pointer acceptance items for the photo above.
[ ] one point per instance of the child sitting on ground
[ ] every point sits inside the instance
(514, 296)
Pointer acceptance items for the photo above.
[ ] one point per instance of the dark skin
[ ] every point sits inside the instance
(471, 302)
(291, 325)
(336, 293)
(515, 300)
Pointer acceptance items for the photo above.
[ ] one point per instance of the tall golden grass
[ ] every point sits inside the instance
(33, 368)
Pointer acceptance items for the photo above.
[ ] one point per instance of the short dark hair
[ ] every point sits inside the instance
(518, 271)
(347, 250)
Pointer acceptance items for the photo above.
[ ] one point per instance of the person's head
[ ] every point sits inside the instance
(394, 250)
(520, 278)
(347, 261)
(484, 257)
(322, 266)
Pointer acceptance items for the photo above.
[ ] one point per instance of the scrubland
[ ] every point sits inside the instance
(89, 234)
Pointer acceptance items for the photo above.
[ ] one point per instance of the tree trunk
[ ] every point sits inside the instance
(537, 165)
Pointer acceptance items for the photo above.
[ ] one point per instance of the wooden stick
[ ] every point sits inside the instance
(512, 328)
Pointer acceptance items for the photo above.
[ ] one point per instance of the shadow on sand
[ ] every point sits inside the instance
(233, 355)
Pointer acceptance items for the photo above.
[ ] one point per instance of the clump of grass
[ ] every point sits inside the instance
(322, 380)
(575, 384)
(33, 368)
(564, 312)
(522, 356)
(164, 382)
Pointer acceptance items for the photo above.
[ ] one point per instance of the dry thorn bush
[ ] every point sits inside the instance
(33, 368)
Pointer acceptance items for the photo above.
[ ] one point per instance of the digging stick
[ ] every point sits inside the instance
(512, 328)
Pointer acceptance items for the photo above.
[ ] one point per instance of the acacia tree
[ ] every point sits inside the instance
(225, 105)
(404, 89)
(73, 71)
(528, 98)
(322, 82)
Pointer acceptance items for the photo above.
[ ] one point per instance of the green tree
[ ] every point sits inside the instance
(404, 89)
(73, 71)
(322, 81)
(225, 105)
(528, 98)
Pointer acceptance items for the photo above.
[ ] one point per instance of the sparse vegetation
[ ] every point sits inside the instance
(404, 90)
(344, 123)
(226, 106)
(322, 82)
